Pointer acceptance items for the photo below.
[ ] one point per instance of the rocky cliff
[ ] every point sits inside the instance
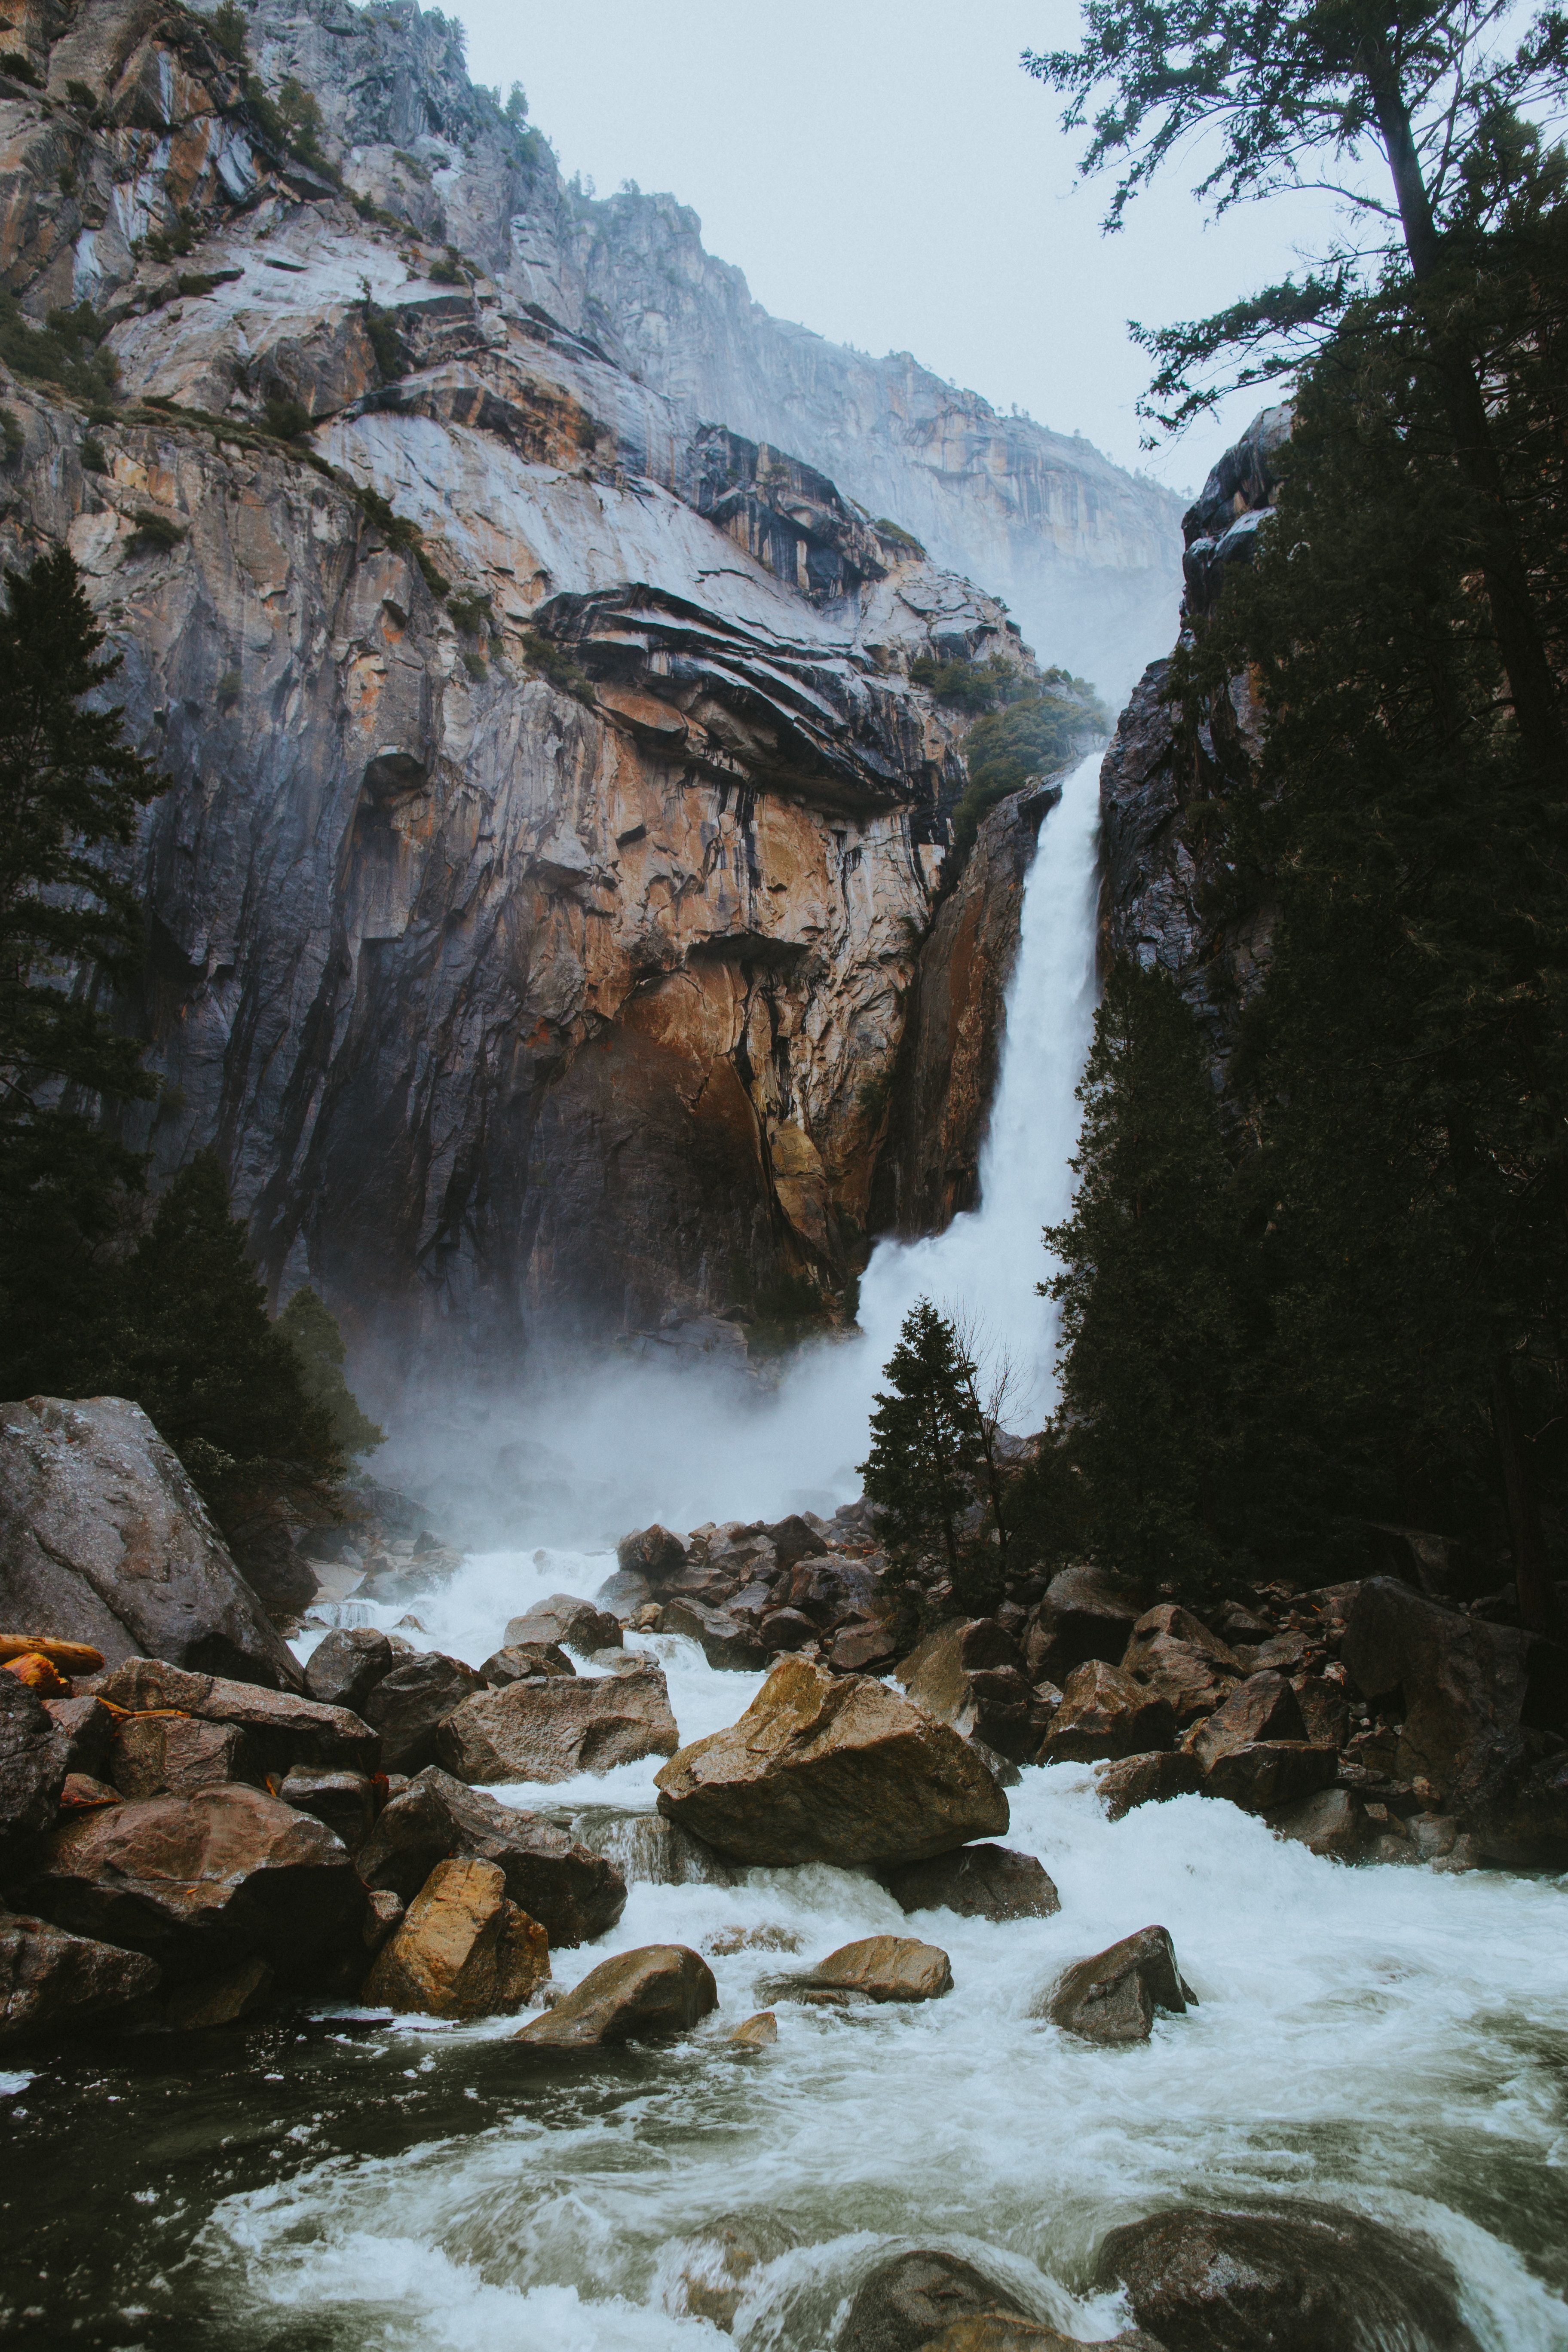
(553, 823)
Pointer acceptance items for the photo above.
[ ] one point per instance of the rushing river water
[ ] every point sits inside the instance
(1386, 2040)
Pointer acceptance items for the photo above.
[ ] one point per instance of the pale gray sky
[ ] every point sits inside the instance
(884, 172)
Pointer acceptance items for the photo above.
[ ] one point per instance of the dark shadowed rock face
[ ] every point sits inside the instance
(574, 1893)
(907, 2301)
(51, 1982)
(409, 1705)
(978, 1882)
(345, 1668)
(103, 1539)
(33, 1764)
(1302, 2279)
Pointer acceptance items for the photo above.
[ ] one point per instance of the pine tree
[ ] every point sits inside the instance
(928, 1452)
(199, 1352)
(311, 1330)
(1152, 1330)
(69, 792)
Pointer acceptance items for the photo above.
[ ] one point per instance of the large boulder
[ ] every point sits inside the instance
(345, 1668)
(1470, 1693)
(641, 1996)
(831, 1768)
(345, 1801)
(1263, 1773)
(911, 2299)
(1087, 1613)
(653, 1554)
(970, 1674)
(977, 1882)
(171, 1755)
(1131, 1780)
(33, 1763)
(282, 1728)
(553, 1729)
(1262, 1707)
(50, 1981)
(1104, 1713)
(1329, 1823)
(1174, 1654)
(728, 1640)
(525, 1662)
(574, 1893)
(409, 1705)
(1113, 1997)
(565, 1617)
(1298, 2280)
(874, 1968)
(463, 1949)
(200, 1883)
(103, 1539)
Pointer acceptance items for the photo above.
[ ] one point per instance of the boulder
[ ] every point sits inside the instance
(653, 1554)
(345, 1668)
(463, 1949)
(203, 1882)
(726, 1640)
(782, 1631)
(758, 2033)
(1130, 1780)
(50, 1981)
(1262, 1707)
(32, 1769)
(171, 1755)
(907, 2301)
(345, 1801)
(1004, 2331)
(86, 1727)
(383, 1912)
(641, 1996)
(553, 1729)
(1330, 1821)
(1113, 1997)
(830, 1591)
(978, 1882)
(1297, 2280)
(1268, 1772)
(79, 1788)
(573, 1623)
(284, 1728)
(831, 1768)
(970, 1674)
(875, 1968)
(226, 1999)
(1087, 1613)
(104, 1540)
(574, 1893)
(409, 1705)
(525, 1662)
(863, 1648)
(1174, 1654)
(1325, 1710)
(1104, 1713)
(719, 2262)
(1524, 1824)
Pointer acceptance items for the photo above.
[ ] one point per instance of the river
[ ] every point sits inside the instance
(1382, 2039)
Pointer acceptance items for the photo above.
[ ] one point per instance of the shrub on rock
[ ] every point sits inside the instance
(645, 1995)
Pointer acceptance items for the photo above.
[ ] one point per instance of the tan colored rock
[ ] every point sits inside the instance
(1104, 1713)
(877, 1968)
(831, 1768)
(1262, 1707)
(1113, 1997)
(1174, 1654)
(574, 1893)
(645, 1995)
(462, 1950)
(970, 1674)
(553, 1728)
(568, 1620)
(758, 2033)
(171, 1755)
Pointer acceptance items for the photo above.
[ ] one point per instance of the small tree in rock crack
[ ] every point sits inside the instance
(311, 1330)
(931, 1451)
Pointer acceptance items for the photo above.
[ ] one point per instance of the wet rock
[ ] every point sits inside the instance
(86, 1727)
(645, 1995)
(1087, 1613)
(652, 1553)
(80, 1791)
(1525, 1825)
(50, 1981)
(1325, 1710)
(1328, 1823)
(32, 1768)
(1130, 1780)
(726, 1640)
(574, 1893)
(786, 1630)
(575, 1623)
(1297, 2280)
(830, 1591)
(831, 1768)
(1113, 1997)
(409, 1705)
(345, 1668)
(970, 1673)
(622, 1595)
(171, 1755)
(383, 1912)
(524, 1661)
(284, 1728)
(648, 1849)
(344, 1801)
(1268, 1772)
(909, 2300)
(758, 2033)
(463, 1949)
(726, 1940)
(239, 1993)
(1004, 2331)
(553, 1729)
(792, 1540)
(1104, 1713)
(1262, 1707)
(719, 2262)
(1174, 1654)
(103, 1539)
(201, 1883)
(978, 1882)
(866, 1648)
(874, 1968)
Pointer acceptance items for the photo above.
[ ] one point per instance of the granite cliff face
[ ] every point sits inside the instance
(554, 825)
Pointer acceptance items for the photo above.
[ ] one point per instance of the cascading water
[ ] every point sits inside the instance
(1382, 2039)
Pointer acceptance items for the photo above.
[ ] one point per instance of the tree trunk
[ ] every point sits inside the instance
(1531, 1570)
(1530, 683)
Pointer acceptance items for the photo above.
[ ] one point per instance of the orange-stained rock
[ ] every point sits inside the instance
(38, 1673)
(462, 1950)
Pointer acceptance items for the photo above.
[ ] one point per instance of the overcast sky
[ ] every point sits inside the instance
(884, 172)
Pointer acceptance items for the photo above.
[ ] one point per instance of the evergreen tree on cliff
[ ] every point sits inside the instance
(931, 1456)
(311, 1330)
(1150, 1416)
(70, 789)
